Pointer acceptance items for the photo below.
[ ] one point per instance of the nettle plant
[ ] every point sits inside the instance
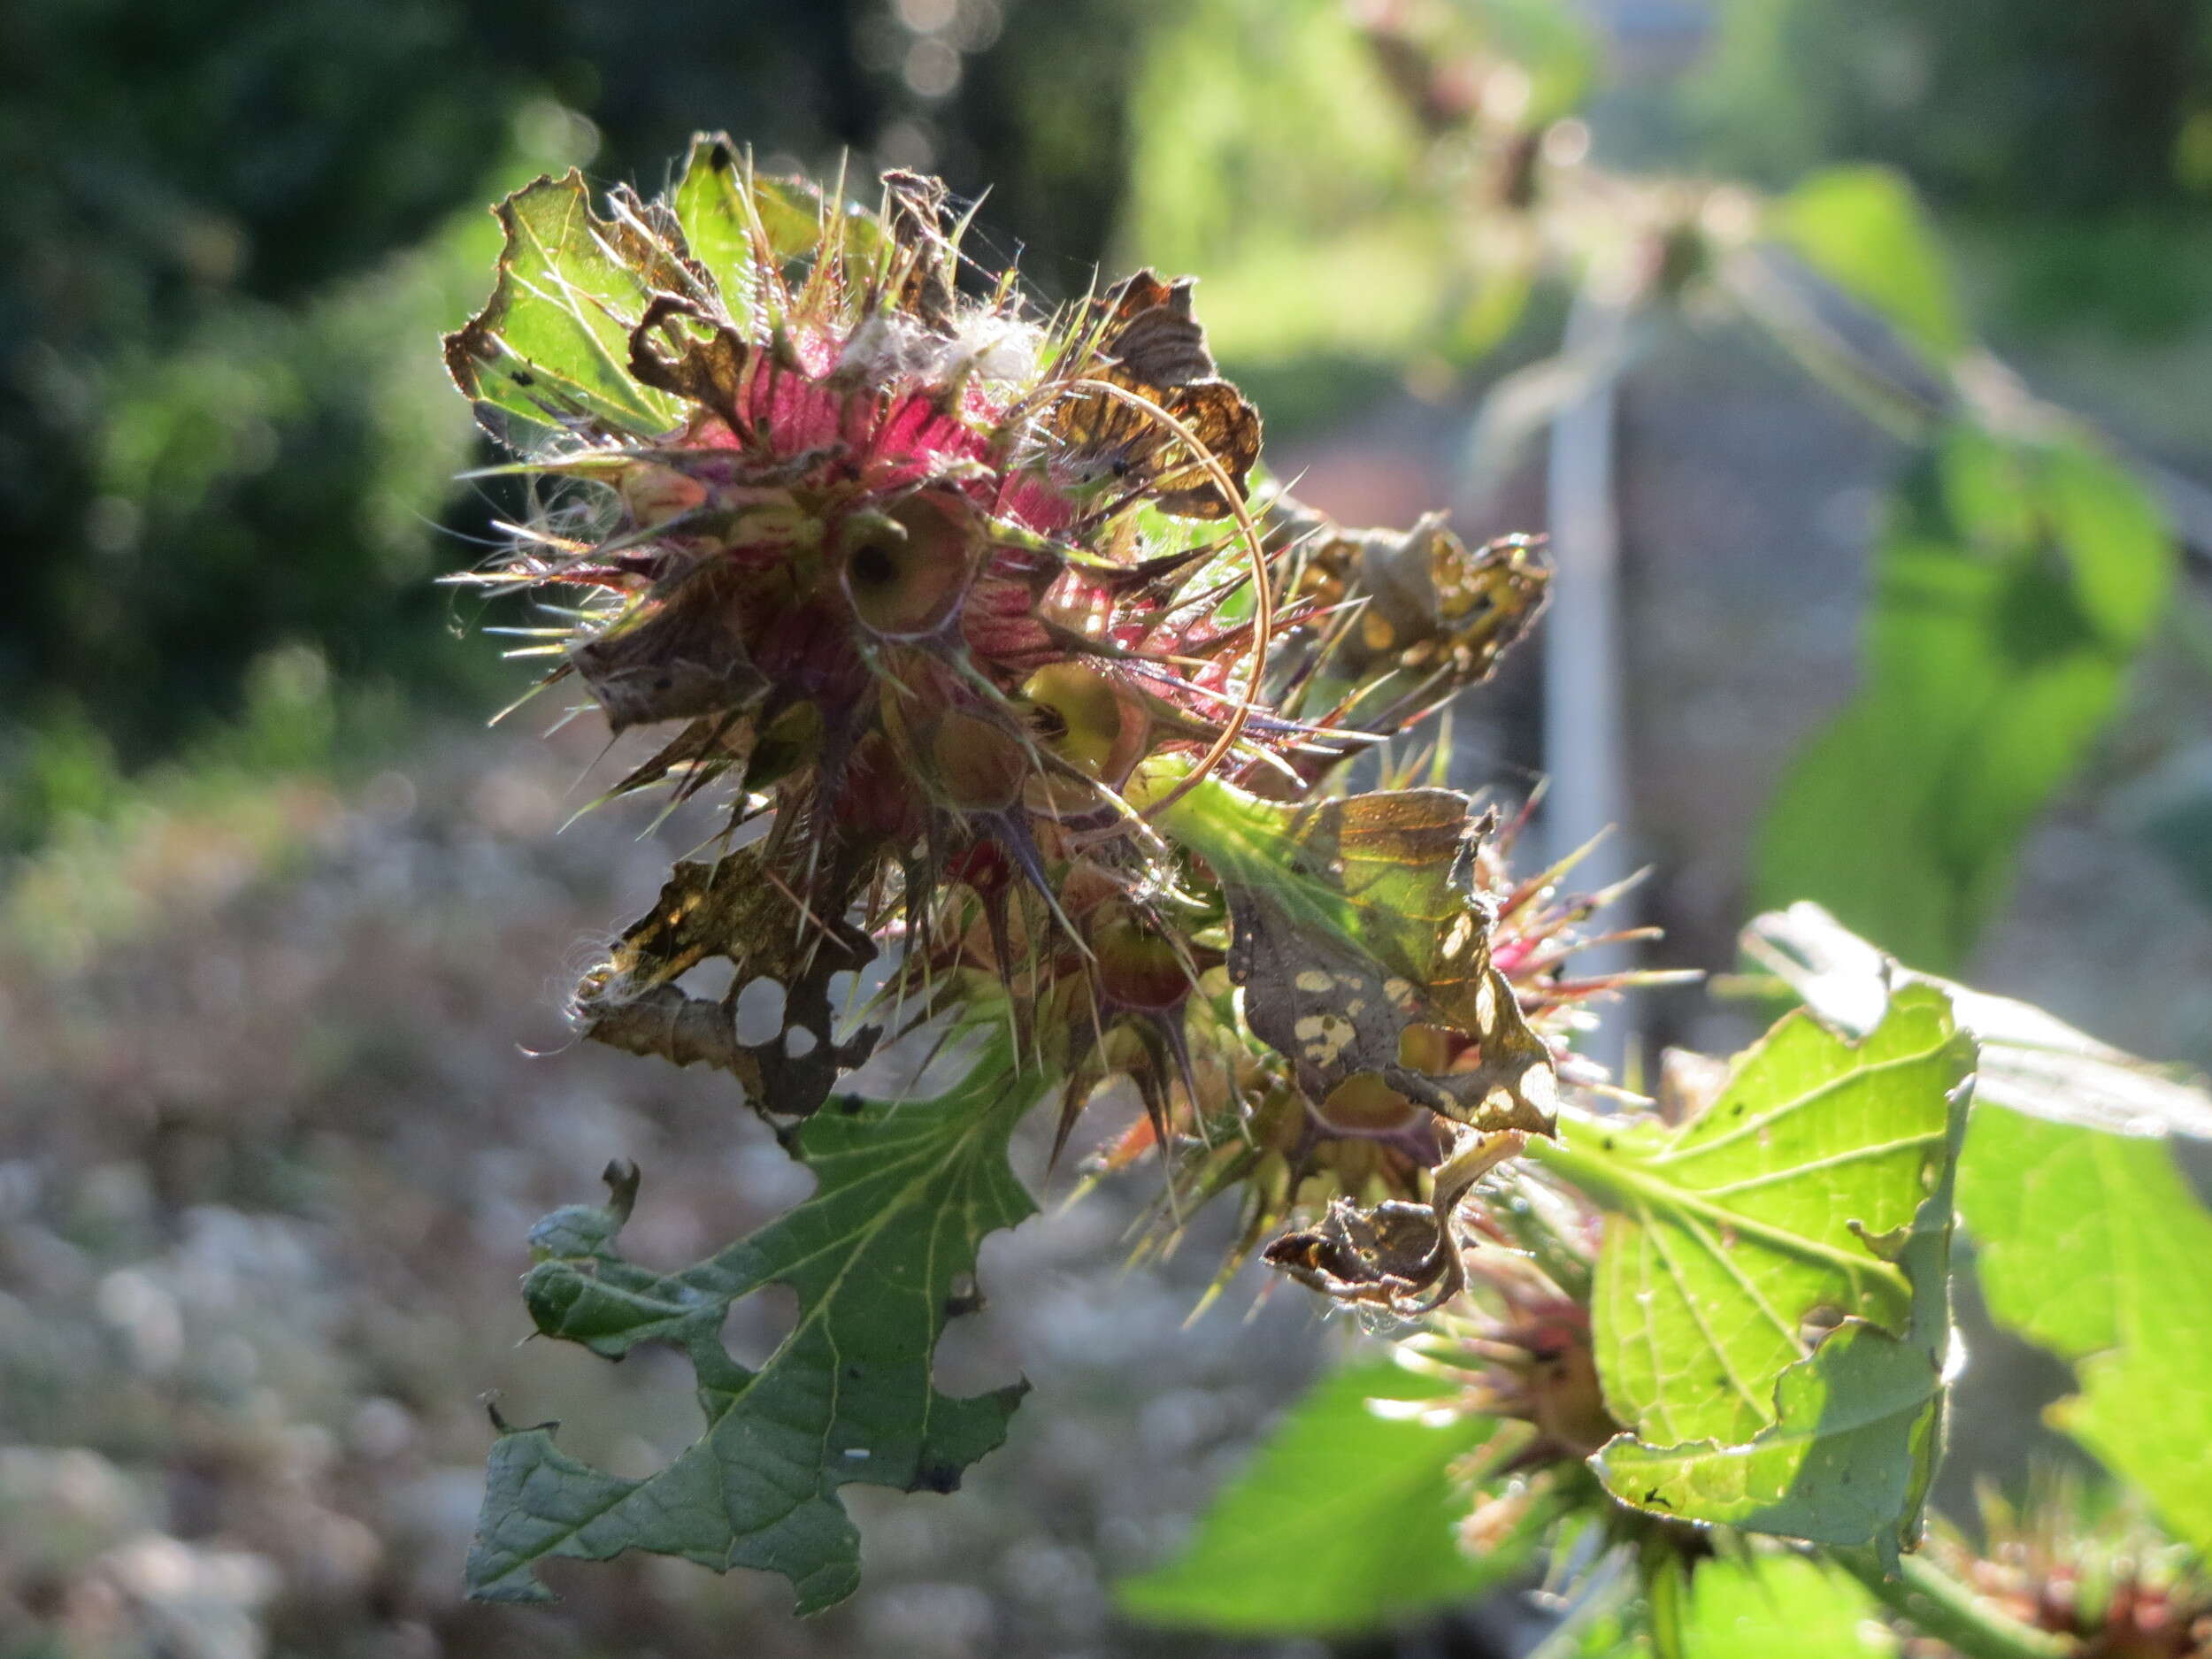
(1036, 720)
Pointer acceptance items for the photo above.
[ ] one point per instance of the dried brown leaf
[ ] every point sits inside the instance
(736, 909)
(1379, 987)
(1154, 346)
(1386, 1256)
(707, 364)
(1430, 604)
(924, 260)
(677, 655)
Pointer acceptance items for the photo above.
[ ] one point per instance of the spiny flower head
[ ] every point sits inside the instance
(978, 620)
(836, 484)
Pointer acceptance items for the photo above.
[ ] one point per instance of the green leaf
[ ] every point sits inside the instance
(1345, 1520)
(2094, 1247)
(710, 205)
(1813, 1191)
(553, 343)
(1863, 228)
(2108, 529)
(1753, 1607)
(1555, 46)
(731, 216)
(2090, 1241)
(2014, 585)
(878, 1255)
(2027, 1060)
(800, 220)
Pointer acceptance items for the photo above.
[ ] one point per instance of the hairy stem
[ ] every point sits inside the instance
(1925, 1596)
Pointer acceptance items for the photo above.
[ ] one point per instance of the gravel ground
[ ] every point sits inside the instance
(269, 1159)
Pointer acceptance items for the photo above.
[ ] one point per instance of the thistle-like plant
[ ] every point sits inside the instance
(1009, 678)
(1035, 717)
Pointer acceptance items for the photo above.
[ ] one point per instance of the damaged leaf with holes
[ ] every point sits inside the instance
(1421, 615)
(1363, 957)
(910, 567)
(729, 909)
(880, 1256)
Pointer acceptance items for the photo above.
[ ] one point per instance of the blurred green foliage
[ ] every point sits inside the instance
(1316, 186)
(226, 442)
(1863, 228)
(227, 445)
(236, 226)
(1765, 1604)
(1347, 1520)
(2075, 141)
(210, 432)
(2092, 1246)
(1340, 276)
(1986, 104)
(1318, 182)
(237, 231)
(2015, 584)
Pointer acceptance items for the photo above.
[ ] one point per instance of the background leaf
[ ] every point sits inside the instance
(908, 1191)
(1863, 228)
(1816, 1187)
(2015, 584)
(2093, 1245)
(2027, 1060)
(1756, 1606)
(1343, 1521)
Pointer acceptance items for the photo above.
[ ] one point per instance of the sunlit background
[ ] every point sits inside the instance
(1751, 302)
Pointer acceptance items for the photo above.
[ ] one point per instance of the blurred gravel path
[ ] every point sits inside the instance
(265, 1174)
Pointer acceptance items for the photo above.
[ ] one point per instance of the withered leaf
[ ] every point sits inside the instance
(924, 258)
(1403, 1256)
(676, 655)
(1430, 603)
(647, 237)
(1108, 441)
(1370, 938)
(1228, 427)
(1154, 346)
(695, 757)
(733, 909)
(1388, 1256)
(1153, 335)
(707, 365)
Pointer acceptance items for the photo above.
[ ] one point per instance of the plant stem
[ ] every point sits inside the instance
(1937, 1604)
